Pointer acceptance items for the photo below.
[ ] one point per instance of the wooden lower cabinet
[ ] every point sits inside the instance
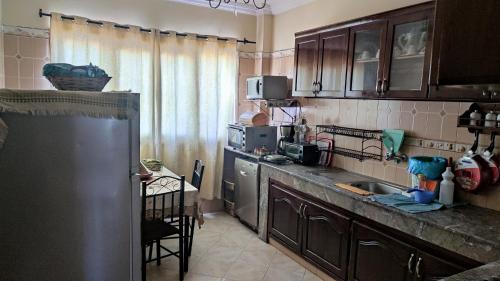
(378, 257)
(325, 239)
(432, 268)
(285, 219)
(342, 246)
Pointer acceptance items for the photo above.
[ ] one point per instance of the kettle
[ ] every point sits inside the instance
(287, 135)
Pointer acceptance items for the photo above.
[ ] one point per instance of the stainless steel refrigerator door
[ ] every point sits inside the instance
(66, 199)
(247, 191)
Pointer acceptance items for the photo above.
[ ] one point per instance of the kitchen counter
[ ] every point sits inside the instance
(488, 272)
(468, 230)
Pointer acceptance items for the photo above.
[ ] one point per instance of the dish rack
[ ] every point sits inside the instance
(370, 140)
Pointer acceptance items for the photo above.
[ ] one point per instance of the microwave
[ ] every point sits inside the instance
(246, 138)
(268, 88)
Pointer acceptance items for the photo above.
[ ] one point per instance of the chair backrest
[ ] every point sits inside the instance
(162, 189)
(197, 174)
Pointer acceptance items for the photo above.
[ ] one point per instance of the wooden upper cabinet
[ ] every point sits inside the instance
(466, 56)
(332, 63)
(306, 65)
(407, 60)
(467, 44)
(365, 65)
(325, 239)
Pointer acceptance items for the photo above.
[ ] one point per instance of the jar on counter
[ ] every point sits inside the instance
(490, 120)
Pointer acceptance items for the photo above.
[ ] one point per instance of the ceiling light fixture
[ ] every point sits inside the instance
(216, 3)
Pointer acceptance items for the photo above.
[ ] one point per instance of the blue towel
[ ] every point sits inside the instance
(406, 204)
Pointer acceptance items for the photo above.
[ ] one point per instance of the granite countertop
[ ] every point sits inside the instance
(471, 231)
(488, 272)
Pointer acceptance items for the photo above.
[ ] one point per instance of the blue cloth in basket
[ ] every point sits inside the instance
(68, 70)
(406, 204)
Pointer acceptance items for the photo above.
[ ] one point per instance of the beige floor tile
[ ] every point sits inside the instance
(243, 270)
(309, 276)
(277, 274)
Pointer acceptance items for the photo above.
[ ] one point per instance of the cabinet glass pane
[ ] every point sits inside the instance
(305, 65)
(332, 62)
(366, 60)
(408, 53)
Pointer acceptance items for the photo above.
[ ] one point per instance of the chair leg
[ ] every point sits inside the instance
(186, 243)
(158, 252)
(150, 251)
(143, 262)
(181, 249)
(193, 222)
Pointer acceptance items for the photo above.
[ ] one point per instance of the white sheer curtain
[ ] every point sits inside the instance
(198, 98)
(188, 88)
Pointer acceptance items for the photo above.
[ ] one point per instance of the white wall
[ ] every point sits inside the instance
(161, 14)
(324, 12)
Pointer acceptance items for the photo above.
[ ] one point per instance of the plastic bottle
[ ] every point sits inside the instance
(447, 187)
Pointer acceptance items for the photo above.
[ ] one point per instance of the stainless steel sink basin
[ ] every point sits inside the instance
(376, 187)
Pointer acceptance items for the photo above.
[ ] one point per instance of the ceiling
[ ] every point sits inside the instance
(273, 6)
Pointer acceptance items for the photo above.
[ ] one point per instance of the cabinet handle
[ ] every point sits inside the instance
(304, 211)
(300, 209)
(418, 267)
(378, 86)
(495, 94)
(320, 87)
(410, 263)
(314, 87)
(243, 173)
(485, 93)
(385, 86)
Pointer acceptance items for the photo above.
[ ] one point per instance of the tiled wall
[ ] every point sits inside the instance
(424, 120)
(24, 57)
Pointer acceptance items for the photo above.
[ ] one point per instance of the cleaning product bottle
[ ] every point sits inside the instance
(447, 186)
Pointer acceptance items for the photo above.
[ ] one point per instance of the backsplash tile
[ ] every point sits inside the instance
(24, 58)
(420, 119)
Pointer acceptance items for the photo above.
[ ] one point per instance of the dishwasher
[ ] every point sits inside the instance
(247, 192)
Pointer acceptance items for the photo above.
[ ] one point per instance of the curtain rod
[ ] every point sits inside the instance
(199, 36)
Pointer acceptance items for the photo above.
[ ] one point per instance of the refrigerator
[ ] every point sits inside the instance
(70, 197)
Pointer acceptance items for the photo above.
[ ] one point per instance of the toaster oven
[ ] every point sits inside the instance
(246, 138)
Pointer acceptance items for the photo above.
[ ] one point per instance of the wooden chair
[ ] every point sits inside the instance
(155, 225)
(196, 181)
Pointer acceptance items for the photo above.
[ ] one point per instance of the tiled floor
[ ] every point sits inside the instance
(225, 250)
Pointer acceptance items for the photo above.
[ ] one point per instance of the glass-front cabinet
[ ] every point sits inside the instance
(365, 67)
(306, 65)
(406, 66)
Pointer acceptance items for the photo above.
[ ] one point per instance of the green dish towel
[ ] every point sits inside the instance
(405, 203)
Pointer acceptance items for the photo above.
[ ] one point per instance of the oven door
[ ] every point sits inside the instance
(254, 88)
(235, 137)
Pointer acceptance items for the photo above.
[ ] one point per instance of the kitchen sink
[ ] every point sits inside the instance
(376, 187)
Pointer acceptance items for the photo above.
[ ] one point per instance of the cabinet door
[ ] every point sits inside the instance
(332, 63)
(306, 65)
(325, 239)
(285, 221)
(365, 65)
(431, 268)
(378, 257)
(467, 42)
(406, 71)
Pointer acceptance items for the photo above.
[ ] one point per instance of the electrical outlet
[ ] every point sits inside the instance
(461, 148)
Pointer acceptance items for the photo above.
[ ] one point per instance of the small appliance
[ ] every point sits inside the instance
(287, 135)
(268, 88)
(301, 153)
(247, 139)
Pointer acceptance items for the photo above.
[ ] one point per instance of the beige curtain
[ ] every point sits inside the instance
(198, 98)
(125, 54)
(188, 88)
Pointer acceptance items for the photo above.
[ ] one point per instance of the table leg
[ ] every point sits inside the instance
(186, 243)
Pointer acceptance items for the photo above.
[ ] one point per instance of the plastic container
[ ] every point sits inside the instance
(422, 196)
(430, 167)
(447, 187)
